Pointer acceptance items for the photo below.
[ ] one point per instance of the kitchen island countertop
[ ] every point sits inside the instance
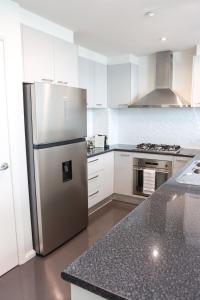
(153, 253)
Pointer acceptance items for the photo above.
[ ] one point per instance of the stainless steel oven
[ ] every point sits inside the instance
(163, 170)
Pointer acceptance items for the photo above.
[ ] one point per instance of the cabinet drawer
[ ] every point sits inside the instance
(94, 197)
(94, 164)
(95, 180)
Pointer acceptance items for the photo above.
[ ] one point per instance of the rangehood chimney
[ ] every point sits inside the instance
(163, 95)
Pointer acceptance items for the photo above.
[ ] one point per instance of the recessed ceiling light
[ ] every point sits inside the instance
(163, 39)
(149, 14)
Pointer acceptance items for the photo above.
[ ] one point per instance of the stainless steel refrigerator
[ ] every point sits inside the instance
(56, 126)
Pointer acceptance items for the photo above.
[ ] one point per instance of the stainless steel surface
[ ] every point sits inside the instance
(191, 175)
(57, 174)
(3, 167)
(163, 170)
(62, 206)
(58, 113)
(163, 95)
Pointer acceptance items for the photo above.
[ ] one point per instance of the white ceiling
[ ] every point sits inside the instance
(114, 27)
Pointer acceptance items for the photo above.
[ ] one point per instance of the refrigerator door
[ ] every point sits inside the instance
(61, 193)
(59, 113)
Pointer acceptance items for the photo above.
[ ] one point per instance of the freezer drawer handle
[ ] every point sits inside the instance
(93, 160)
(93, 177)
(93, 194)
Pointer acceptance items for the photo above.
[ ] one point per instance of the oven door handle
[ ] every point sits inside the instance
(156, 170)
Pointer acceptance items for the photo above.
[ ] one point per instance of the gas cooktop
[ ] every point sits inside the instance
(159, 148)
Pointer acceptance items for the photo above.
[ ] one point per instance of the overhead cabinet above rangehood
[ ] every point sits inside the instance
(163, 95)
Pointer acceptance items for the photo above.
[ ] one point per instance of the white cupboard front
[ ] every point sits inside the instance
(179, 163)
(100, 177)
(38, 58)
(123, 177)
(100, 85)
(46, 58)
(66, 62)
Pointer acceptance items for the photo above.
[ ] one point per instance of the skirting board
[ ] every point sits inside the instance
(28, 256)
(128, 199)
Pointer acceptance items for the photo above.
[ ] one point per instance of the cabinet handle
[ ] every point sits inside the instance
(93, 194)
(47, 80)
(125, 155)
(62, 82)
(123, 105)
(99, 104)
(93, 160)
(93, 177)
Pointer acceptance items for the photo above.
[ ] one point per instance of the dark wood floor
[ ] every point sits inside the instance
(39, 279)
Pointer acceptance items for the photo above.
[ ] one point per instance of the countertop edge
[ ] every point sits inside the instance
(104, 151)
(90, 288)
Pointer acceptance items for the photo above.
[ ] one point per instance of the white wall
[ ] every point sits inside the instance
(147, 71)
(160, 125)
(182, 72)
(103, 121)
(10, 33)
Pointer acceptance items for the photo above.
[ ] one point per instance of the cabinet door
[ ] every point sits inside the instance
(86, 78)
(37, 55)
(179, 163)
(65, 62)
(108, 174)
(100, 85)
(196, 82)
(119, 85)
(123, 173)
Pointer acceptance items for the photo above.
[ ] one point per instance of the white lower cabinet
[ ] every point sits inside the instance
(179, 163)
(100, 177)
(123, 179)
(113, 173)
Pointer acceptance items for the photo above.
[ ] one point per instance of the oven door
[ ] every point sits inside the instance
(162, 175)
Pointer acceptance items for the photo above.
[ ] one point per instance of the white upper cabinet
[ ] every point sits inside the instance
(122, 85)
(119, 83)
(66, 62)
(47, 58)
(196, 82)
(86, 77)
(100, 85)
(37, 55)
(93, 77)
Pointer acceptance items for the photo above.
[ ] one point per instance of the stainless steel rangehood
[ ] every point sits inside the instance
(163, 95)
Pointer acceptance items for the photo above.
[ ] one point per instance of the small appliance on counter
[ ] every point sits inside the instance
(100, 141)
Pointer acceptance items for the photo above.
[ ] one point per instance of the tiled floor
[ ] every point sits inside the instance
(39, 279)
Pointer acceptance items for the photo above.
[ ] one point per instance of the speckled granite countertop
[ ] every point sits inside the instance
(132, 148)
(153, 253)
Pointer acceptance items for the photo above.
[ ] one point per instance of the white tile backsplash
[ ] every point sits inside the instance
(155, 125)
(160, 125)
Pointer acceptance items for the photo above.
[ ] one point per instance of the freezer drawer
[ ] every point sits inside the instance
(58, 112)
(61, 193)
